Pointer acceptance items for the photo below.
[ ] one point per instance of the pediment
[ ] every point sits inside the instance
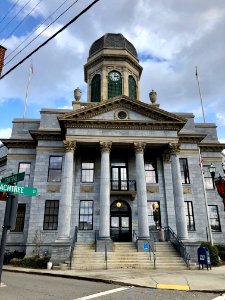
(107, 113)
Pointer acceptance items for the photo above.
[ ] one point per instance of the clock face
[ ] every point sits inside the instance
(114, 76)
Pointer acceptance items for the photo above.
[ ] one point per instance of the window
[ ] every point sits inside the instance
(96, 88)
(86, 215)
(87, 171)
(189, 216)
(25, 167)
(214, 218)
(154, 218)
(20, 218)
(51, 215)
(184, 170)
(114, 84)
(55, 168)
(132, 87)
(151, 175)
(207, 178)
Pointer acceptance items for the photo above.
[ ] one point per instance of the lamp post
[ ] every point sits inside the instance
(219, 182)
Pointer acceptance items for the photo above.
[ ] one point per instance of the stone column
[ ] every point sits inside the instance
(181, 223)
(66, 191)
(143, 228)
(104, 220)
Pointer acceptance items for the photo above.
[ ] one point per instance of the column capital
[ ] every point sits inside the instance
(105, 146)
(173, 148)
(70, 146)
(139, 147)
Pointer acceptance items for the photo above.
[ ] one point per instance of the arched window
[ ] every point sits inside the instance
(96, 88)
(132, 87)
(114, 84)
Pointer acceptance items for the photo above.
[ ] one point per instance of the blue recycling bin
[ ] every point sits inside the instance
(204, 258)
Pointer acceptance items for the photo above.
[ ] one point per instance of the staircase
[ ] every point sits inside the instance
(167, 257)
(125, 256)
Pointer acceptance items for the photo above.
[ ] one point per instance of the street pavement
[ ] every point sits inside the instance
(193, 280)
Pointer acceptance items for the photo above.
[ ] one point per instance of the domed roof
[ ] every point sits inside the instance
(113, 41)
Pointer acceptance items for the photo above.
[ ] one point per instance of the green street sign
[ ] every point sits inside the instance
(16, 189)
(13, 178)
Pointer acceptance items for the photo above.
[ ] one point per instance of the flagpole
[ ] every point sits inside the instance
(206, 199)
(27, 91)
(200, 94)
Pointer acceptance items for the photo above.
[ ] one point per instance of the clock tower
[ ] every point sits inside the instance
(112, 69)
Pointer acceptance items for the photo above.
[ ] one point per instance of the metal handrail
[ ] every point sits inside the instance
(106, 257)
(151, 249)
(74, 240)
(123, 185)
(106, 254)
(96, 237)
(177, 244)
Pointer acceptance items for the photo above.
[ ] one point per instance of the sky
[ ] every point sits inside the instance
(172, 37)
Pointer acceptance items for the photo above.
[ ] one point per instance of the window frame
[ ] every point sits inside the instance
(81, 222)
(153, 170)
(51, 214)
(208, 182)
(115, 88)
(96, 88)
(20, 219)
(190, 216)
(218, 218)
(132, 87)
(83, 170)
(51, 168)
(26, 180)
(182, 171)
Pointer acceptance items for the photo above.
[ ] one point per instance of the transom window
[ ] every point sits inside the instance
(184, 171)
(55, 168)
(87, 171)
(132, 87)
(214, 218)
(86, 215)
(189, 216)
(114, 84)
(151, 175)
(25, 167)
(51, 215)
(20, 218)
(96, 88)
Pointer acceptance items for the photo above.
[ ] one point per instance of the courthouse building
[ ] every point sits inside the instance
(113, 168)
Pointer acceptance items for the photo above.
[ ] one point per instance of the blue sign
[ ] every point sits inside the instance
(145, 246)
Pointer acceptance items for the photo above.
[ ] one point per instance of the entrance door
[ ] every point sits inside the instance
(120, 222)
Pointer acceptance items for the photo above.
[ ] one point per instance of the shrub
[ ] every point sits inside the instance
(31, 262)
(222, 255)
(10, 255)
(213, 251)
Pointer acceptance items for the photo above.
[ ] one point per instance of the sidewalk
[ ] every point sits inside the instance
(193, 280)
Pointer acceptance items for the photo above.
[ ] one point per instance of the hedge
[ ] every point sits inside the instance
(31, 262)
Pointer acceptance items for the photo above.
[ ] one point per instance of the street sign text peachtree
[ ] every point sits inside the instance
(23, 190)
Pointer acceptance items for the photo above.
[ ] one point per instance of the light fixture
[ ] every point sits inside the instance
(118, 204)
(212, 171)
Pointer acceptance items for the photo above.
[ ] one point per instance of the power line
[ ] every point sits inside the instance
(8, 12)
(49, 39)
(35, 30)
(41, 32)
(18, 25)
(15, 16)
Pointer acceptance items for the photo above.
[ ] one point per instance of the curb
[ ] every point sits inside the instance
(109, 281)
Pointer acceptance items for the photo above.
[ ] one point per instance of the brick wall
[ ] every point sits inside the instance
(2, 55)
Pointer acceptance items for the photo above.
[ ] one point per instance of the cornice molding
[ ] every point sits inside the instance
(212, 147)
(190, 138)
(18, 143)
(46, 135)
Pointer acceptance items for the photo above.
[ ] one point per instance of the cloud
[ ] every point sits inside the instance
(5, 133)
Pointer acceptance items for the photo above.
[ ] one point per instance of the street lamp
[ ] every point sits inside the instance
(223, 167)
(219, 182)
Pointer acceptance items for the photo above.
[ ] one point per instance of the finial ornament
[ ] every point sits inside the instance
(153, 96)
(105, 146)
(70, 146)
(77, 94)
(139, 147)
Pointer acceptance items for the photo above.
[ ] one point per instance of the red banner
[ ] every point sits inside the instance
(220, 185)
(3, 196)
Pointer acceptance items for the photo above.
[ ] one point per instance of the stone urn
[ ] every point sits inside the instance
(77, 94)
(153, 96)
